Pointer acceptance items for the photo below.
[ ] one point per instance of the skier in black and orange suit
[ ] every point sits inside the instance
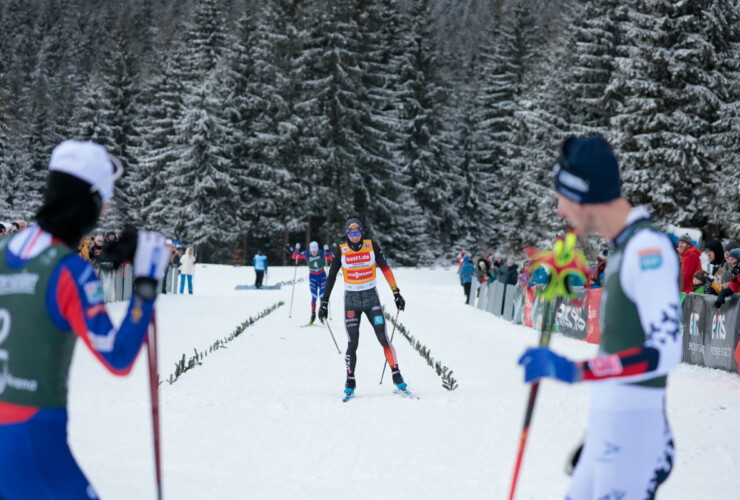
(358, 258)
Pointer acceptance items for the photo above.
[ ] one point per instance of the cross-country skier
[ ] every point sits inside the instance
(317, 276)
(358, 258)
(49, 296)
(628, 451)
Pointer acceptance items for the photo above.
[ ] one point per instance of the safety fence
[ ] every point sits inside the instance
(710, 335)
(118, 284)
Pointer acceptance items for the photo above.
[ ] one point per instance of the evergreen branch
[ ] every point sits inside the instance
(448, 382)
(183, 366)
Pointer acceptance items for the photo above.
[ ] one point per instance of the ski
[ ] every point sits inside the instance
(406, 393)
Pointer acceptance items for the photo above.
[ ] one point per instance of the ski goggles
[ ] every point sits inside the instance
(355, 234)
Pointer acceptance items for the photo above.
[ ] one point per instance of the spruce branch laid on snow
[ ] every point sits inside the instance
(448, 382)
(183, 366)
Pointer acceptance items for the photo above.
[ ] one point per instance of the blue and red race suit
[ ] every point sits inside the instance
(35, 460)
(317, 275)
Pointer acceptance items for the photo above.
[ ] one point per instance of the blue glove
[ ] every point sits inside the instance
(541, 362)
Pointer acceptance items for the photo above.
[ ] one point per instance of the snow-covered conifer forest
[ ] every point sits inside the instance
(250, 123)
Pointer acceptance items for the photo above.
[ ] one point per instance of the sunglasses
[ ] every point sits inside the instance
(354, 235)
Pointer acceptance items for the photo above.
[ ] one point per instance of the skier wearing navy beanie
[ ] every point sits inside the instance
(628, 448)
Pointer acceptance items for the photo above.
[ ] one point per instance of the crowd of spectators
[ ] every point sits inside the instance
(714, 270)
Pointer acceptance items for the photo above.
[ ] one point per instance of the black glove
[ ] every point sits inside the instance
(323, 310)
(400, 303)
(122, 250)
(723, 294)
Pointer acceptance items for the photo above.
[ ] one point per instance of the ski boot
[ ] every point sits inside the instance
(398, 380)
(313, 318)
(349, 386)
(322, 321)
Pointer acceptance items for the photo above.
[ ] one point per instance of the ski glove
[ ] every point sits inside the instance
(723, 294)
(400, 303)
(323, 310)
(539, 362)
(326, 248)
(297, 246)
(150, 263)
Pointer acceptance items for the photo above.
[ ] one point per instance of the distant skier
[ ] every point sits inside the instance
(628, 451)
(260, 268)
(49, 296)
(317, 276)
(358, 257)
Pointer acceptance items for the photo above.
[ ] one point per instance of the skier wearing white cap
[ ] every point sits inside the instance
(49, 296)
(316, 261)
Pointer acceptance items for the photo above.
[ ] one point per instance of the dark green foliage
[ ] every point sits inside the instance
(184, 365)
(448, 381)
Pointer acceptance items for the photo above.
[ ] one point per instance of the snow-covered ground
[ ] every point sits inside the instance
(264, 418)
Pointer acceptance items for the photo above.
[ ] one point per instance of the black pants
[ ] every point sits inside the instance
(368, 302)
(466, 289)
(258, 279)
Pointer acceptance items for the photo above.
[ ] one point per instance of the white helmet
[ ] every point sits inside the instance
(313, 246)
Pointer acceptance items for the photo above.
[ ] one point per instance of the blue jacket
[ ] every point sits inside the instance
(260, 262)
(467, 271)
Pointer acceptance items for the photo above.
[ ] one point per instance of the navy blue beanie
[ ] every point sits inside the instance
(587, 171)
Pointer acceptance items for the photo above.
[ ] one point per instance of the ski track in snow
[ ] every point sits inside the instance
(264, 418)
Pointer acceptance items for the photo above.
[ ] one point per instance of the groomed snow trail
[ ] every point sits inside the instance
(264, 418)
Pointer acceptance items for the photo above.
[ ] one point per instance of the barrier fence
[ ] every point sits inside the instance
(118, 284)
(710, 336)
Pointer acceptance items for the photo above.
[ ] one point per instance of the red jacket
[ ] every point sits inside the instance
(690, 263)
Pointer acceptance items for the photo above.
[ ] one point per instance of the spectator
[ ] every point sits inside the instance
(482, 271)
(690, 262)
(110, 236)
(510, 273)
(460, 258)
(96, 249)
(715, 255)
(467, 270)
(83, 249)
(260, 268)
(177, 258)
(187, 268)
(498, 267)
(600, 269)
(731, 245)
(730, 283)
(700, 281)
(21, 225)
(2, 230)
(287, 253)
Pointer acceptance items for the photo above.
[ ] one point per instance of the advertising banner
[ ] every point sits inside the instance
(528, 306)
(496, 300)
(593, 332)
(572, 319)
(510, 299)
(710, 335)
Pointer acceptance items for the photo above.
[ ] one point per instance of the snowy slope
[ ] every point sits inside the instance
(264, 418)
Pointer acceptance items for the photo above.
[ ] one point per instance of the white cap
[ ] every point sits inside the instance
(313, 246)
(89, 162)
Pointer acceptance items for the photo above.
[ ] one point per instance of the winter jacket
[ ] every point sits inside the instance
(187, 263)
(467, 271)
(690, 263)
(510, 274)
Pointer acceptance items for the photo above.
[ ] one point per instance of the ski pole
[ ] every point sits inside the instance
(332, 337)
(545, 333)
(154, 394)
(392, 333)
(295, 272)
